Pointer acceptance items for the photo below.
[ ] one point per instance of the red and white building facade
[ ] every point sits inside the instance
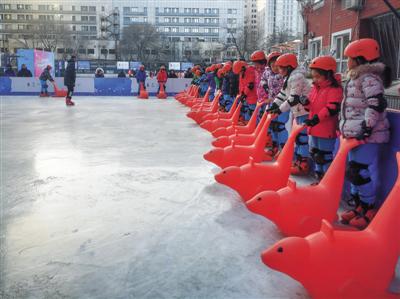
(331, 24)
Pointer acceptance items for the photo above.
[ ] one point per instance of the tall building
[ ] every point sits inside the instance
(93, 23)
(278, 16)
(251, 21)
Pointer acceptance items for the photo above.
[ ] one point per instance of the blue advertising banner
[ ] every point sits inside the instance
(186, 65)
(27, 57)
(112, 86)
(83, 65)
(134, 65)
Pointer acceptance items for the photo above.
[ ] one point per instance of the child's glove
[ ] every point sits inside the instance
(365, 131)
(313, 121)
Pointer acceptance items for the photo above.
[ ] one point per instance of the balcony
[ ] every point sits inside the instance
(171, 24)
(37, 21)
(185, 14)
(125, 23)
(48, 12)
(138, 13)
(195, 34)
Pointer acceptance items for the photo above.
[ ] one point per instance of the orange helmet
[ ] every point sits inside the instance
(220, 73)
(365, 47)
(219, 65)
(208, 69)
(198, 72)
(257, 56)
(326, 63)
(273, 55)
(227, 67)
(238, 66)
(286, 60)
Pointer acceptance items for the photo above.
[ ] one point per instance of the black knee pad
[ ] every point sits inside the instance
(353, 173)
(277, 126)
(319, 157)
(298, 141)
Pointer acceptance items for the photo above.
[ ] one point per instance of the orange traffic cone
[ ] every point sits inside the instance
(345, 264)
(59, 93)
(143, 94)
(161, 94)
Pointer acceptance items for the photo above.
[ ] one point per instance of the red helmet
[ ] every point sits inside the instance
(208, 69)
(273, 55)
(365, 47)
(238, 66)
(257, 56)
(286, 60)
(326, 63)
(220, 73)
(227, 67)
(198, 72)
(142, 67)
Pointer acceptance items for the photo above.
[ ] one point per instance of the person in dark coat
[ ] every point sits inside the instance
(9, 72)
(24, 72)
(121, 74)
(69, 80)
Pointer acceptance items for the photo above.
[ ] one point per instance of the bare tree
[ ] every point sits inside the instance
(48, 34)
(140, 42)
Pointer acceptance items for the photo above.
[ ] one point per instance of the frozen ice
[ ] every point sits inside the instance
(113, 199)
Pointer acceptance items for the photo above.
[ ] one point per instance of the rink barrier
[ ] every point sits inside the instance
(91, 86)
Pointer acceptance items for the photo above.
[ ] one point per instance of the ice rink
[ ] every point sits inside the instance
(113, 199)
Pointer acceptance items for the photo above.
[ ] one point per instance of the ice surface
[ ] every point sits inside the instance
(112, 199)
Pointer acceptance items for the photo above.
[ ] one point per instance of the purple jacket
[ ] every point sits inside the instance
(141, 76)
(211, 81)
(274, 82)
(363, 101)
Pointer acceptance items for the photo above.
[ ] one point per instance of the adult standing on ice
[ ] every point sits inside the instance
(69, 80)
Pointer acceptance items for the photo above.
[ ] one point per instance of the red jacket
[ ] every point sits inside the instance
(247, 85)
(325, 101)
(162, 76)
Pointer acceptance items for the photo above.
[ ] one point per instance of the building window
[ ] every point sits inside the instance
(84, 18)
(82, 51)
(232, 11)
(90, 51)
(92, 18)
(92, 8)
(196, 10)
(111, 51)
(339, 42)
(84, 8)
(314, 47)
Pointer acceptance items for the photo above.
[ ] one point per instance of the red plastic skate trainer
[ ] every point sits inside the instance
(345, 264)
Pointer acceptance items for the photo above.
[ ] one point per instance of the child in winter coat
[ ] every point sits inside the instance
(260, 62)
(211, 81)
(247, 88)
(141, 77)
(295, 87)
(44, 76)
(162, 77)
(230, 86)
(324, 106)
(272, 83)
(69, 80)
(363, 116)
